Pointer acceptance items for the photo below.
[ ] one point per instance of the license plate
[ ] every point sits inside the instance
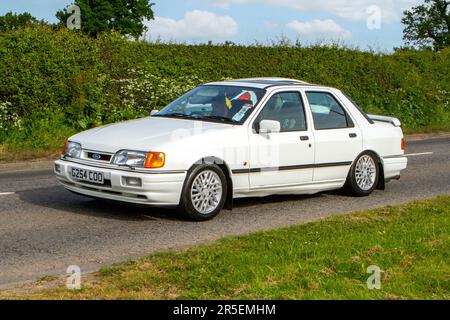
(87, 175)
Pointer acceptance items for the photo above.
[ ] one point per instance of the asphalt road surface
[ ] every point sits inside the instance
(44, 228)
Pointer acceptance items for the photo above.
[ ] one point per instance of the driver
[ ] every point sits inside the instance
(219, 107)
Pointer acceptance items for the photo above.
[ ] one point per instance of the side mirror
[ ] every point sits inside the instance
(153, 112)
(269, 126)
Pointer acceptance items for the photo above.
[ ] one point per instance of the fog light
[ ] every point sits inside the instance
(57, 168)
(133, 182)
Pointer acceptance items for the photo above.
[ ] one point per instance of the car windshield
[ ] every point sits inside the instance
(221, 103)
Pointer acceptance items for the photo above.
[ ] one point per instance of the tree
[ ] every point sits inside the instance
(428, 25)
(124, 16)
(13, 21)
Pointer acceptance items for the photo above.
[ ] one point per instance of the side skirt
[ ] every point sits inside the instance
(308, 188)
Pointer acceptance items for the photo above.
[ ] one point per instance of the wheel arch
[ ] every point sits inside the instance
(381, 181)
(226, 171)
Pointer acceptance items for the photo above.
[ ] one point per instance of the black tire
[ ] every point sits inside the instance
(186, 207)
(352, 185)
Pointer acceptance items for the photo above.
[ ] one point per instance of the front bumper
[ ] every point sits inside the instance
(159, 189)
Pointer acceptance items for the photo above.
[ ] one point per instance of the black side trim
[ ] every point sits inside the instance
(333, 164)
(296, 167)
(240, 171)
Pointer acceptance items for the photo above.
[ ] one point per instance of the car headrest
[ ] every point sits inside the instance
(289, 106)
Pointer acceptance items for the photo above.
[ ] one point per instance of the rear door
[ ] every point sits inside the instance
(337, 137)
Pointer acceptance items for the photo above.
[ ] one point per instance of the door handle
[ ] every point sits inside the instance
(304, 138)
(352, 135)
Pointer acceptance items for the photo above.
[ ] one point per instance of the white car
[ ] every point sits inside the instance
(234, 139)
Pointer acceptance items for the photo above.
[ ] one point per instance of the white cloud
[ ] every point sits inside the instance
(195, 25)
(323, 29)
(352, 10)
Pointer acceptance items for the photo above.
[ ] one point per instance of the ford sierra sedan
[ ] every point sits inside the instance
(233, 139)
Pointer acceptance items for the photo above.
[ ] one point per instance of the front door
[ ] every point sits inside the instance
(287, 157)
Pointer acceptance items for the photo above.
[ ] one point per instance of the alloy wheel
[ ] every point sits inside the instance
(206, 192)
(365, 172)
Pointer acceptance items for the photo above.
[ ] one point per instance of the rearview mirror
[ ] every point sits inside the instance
(153, 112)
(269, 126)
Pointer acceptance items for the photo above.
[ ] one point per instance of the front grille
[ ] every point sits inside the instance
(97, 156)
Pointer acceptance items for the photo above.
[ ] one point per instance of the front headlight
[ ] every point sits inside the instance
(139, 159)
(72, 149)
(130, 158)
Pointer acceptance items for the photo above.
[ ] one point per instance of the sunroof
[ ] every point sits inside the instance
(271, 81)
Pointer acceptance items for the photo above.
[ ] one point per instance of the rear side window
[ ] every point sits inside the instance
(288, 109)
(327, 112)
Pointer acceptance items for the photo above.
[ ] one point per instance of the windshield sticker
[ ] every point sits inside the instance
(244, 96)
(238, 116)
(247, 95)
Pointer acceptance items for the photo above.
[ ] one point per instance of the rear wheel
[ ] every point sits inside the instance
(363, 176)
(204, 193)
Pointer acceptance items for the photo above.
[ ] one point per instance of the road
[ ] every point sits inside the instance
(44, 228)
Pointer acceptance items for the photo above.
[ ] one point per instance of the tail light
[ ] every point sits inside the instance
(403, 144)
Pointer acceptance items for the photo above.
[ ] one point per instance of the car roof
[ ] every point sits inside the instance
(263, 83)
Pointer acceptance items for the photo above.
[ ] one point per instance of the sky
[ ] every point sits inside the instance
(366, 24)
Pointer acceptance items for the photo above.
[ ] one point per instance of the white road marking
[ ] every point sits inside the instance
(418, 154)
(6, 193)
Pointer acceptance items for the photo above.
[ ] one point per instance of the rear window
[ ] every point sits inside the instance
(358, 108)
(327, 112)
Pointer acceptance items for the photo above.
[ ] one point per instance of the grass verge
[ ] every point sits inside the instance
(327, 259)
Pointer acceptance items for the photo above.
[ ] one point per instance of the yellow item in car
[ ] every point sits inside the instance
(228, 103)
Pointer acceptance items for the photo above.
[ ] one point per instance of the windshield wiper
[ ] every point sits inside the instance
(177, 115)
(225, 119)
(196, 117)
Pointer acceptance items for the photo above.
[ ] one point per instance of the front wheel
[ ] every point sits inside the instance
(204, 193)
(363, 176)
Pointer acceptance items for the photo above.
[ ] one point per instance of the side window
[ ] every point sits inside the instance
(286, 108)
(327, 112)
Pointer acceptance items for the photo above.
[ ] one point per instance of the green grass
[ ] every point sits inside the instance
(326, 259)
(39, 138)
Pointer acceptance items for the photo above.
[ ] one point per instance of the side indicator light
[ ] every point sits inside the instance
(155, 160)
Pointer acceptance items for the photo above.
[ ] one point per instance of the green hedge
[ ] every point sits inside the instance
(55, 82)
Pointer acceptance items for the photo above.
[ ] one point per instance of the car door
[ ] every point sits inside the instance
(337, 137)
(286, 157)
